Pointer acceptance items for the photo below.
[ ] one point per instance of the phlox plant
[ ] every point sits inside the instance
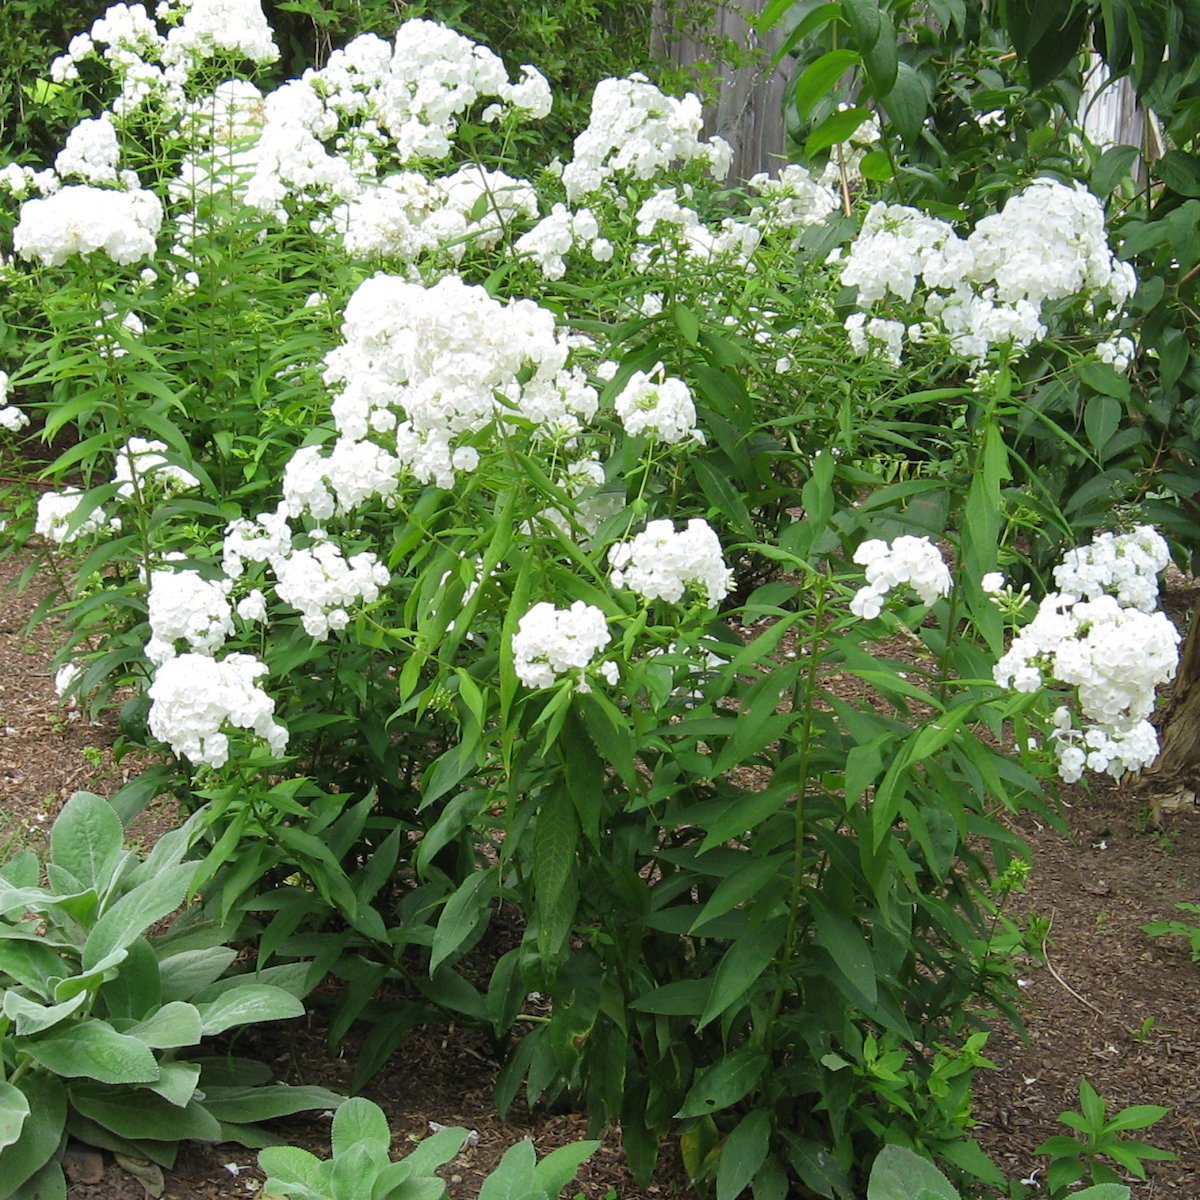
(477, 539)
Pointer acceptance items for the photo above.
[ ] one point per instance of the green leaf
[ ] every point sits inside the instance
(1180, 171)
(87, 838)
(724, 1083)
(41, 1133)
(743, 963)
(47, 1183)
(137, 911)
(743, 1154)
(30, 1018)
(174, 1025)
(291, 1171)
(93, 1049)
(1101, 416)
(191, 971)
(360, 1120)
(835, 128)
(1103, 1191)
(907, 103)
(143, 1116)
(1112, 167)
(560, 1166)
(1138, 1116)
(14, 1110)
(512, 1176)
(899, 1174)
(820, 78)
(242, 1105)
(464, 910)
(246, 1005)
(882, 60)
(846, 944)
(863, 18)
(177, 1082)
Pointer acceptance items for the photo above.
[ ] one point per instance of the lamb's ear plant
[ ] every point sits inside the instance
(361, 1167)
(899, 1174)
(100, 1018)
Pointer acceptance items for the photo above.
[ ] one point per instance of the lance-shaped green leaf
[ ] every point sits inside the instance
(87, 839)
(29, 1017)
(41, 1132)
(143, 1116)
(174, 1025)
(191, 971)
(176, 1082)
(246, 1005)
(90, 980)
(29, 962)
(14, 1110)
(241, 1105)
(136, 911)
(93, 1049)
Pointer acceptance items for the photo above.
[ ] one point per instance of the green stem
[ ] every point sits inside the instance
(805, 705)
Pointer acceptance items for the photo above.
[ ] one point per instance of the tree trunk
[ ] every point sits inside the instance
(1174, 778)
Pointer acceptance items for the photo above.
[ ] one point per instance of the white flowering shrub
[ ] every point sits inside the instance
(469, 531)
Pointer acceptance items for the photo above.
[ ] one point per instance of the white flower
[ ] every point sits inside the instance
(992, 584)
(81, 219)
(54, 512)
(661, 407)
(193, 697)
(321, 583)
(912, 560)
(550, 642)
(13, 419)
(661, 563)
(183, 606)
(145, 461)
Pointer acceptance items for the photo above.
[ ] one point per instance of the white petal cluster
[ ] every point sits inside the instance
(550, 642)
(435, 75)
(989, 289)
(11, 417)
(81, 219)
(1117, 352)
(554, 236)
(144, 460)
(184, 606)
(791, 200)
(635, 128)
(54, 512)
(915, 561)
(320, 584)
(658, 406)
(1112, 649)
(91, 151)
(193, 697)
(660, 563)
(267, 538)
(423, 367)
(1125, 565)
(233, 29)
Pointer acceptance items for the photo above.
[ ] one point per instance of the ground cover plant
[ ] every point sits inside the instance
(417, 494)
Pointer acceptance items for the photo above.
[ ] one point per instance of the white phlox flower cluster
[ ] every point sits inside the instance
(557, 234)
(1126, 565)
(91, 151)
(434, 76)
(267, 538)
(184, 606)
(325, 485)
(658, 405)
(233, 29)
(1113, 649)
(550, 642)
(793, 200)
(661, 563)
(145, 460)
(988, 289)
(685, 237)
(54, 513)
(193, 697)
(320, 583)
(11, 417)
(875, 336)
(423, 367)
(81, 219)
(915, 561)
(1117, 352)
(635, 128)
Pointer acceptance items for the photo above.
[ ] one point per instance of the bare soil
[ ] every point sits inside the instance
(1111, 1005)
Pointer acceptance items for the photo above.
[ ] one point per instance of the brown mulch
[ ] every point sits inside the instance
(1113, 1006)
